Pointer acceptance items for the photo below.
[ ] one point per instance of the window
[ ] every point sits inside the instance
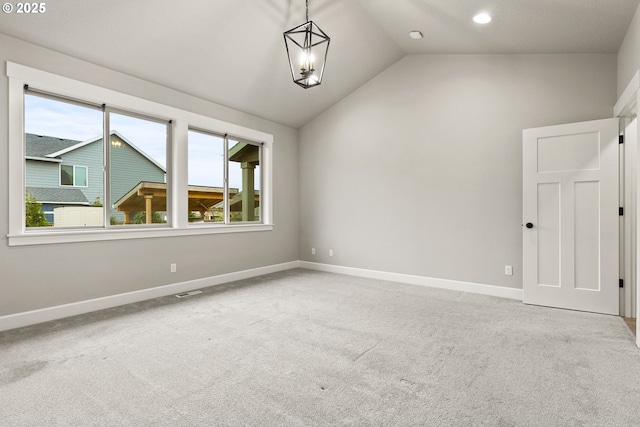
(58, 134)
(137, 170)
(206, 178)
(244, 181)
(75, 176)
(97, 164)
(215, 160)
(137, 191)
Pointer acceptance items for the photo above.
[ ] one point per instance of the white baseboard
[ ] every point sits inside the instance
(27, 318)
(455, 285)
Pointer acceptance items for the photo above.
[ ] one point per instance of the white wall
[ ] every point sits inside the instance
(629, 54)
(419, 171)
(36, 277)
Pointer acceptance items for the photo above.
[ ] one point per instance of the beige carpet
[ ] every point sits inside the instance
(304, 348)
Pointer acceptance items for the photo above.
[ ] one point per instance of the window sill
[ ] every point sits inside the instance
(75, 236)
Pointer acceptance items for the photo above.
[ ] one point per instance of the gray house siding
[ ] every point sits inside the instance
(42, 174)
(90, 156)
(128, 168)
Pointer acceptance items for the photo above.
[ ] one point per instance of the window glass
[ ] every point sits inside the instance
(66, 175)
(206, 177)
(80, 176)
(59, 135)
(244, 181)
(137, 165)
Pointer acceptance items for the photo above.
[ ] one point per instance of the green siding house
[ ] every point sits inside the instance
(64, 173)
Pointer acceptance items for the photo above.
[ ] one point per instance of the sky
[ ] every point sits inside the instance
(49, 117)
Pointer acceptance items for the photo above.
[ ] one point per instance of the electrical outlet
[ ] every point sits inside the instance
(508, 270)
(313, 251)
(174, 268)
(330, 252)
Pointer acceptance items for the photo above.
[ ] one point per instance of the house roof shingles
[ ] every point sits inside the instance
(71, 196)
(41, 146)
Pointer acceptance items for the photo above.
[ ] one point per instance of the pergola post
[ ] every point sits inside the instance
(148, 197)
(248, 191)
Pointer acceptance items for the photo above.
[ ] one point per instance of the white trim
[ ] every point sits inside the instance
(626, 104)
(16, 155)
(27, 318)
(135, 232)
(74, 147)
(454, 285)
(627, 107)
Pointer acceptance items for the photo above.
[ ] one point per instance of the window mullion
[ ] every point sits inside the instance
(106, 173)
(227, 206)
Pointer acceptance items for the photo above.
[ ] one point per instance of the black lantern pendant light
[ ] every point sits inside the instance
(307, 47)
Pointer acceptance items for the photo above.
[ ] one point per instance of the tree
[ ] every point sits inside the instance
(34, 217)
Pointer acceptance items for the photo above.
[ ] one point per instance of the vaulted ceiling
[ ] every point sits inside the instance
(232, 52)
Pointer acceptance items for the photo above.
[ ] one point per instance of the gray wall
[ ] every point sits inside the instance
(34, 277)
(419, 171)
(629, 53)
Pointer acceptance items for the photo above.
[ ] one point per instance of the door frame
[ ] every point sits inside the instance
(626, 109)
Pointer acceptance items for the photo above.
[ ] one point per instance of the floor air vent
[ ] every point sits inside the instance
(188, 294)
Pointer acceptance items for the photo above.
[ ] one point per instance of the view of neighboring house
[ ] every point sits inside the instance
(62, 174)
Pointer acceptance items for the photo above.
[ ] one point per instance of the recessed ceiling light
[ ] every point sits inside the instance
(482, 18)
(416, 35)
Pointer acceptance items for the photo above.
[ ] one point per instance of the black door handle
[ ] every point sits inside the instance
(529, 225)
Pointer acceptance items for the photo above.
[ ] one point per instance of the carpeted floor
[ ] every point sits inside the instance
(305, 348)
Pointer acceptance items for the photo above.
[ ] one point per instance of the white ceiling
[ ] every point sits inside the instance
(232, 51)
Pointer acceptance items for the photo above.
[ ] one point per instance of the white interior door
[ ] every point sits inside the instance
(570, 216)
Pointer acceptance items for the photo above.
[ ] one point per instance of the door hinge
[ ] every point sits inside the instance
(621, 283)
(620, 139)
(621, 211)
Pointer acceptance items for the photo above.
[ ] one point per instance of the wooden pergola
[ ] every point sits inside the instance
(151, 197)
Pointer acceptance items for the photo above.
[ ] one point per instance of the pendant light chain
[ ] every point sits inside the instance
(307, 15)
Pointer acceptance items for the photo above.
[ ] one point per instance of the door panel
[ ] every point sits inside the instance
(587, 236)
(570, 195)
(569, 152)
(549, 234)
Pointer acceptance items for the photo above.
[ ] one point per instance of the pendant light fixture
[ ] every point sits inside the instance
(307, 46)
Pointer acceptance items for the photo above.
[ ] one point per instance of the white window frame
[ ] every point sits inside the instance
(225, 175)
(181, 121)
(86, 174)
(107, 111)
